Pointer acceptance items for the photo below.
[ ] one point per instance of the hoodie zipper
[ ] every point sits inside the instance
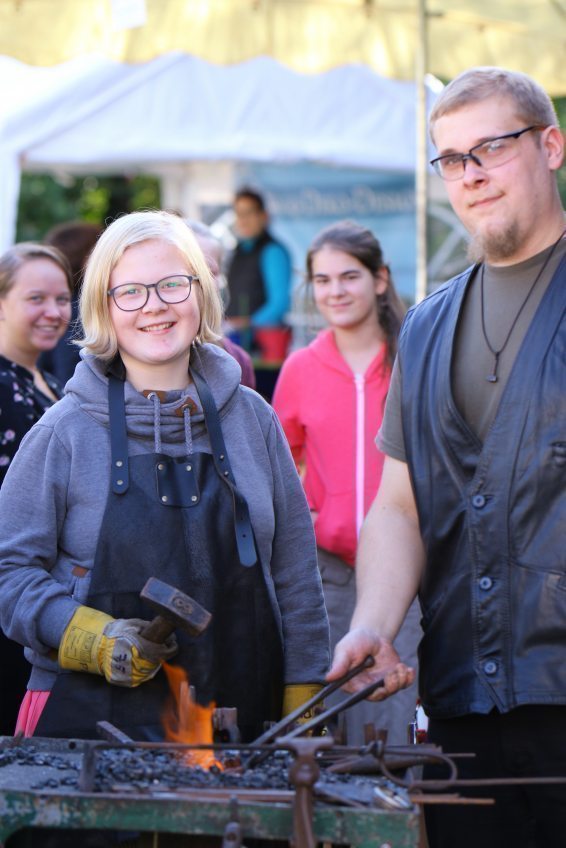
(360, 442)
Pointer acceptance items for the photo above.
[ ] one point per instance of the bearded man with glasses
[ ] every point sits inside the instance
(471, 511)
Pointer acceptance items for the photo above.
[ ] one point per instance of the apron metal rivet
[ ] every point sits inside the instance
(120, 482)
(194, 498)
(226, 473)
(164, 498)
(221, 456)
(189, 467)
(119, 463)
(160, 467)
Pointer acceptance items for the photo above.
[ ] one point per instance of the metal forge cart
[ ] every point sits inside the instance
(57, 783)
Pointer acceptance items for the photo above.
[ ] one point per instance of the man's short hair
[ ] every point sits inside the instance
(247, 193)
(533, 105)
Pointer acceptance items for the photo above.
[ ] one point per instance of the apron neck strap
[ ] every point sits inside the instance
(242, 521)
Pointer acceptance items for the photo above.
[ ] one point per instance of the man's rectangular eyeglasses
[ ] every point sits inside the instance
(174, 289)
(489, 154)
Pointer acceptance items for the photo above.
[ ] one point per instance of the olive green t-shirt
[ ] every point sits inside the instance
(477, 399)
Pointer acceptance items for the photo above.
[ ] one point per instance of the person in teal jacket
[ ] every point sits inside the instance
(259, 273)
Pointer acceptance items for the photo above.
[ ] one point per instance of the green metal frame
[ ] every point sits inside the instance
(363, 828)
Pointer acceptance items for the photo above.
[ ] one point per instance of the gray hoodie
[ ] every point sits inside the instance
(53, 498)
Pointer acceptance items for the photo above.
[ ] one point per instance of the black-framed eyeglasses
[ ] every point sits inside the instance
(174, 289)
(489, 154)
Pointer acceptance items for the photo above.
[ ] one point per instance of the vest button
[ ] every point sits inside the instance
(490, 667)
(478, 501)
(486, 583)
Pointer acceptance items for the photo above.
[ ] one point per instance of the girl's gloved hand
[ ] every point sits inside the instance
(96, 643)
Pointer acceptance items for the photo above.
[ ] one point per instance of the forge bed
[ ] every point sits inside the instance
(54, 783)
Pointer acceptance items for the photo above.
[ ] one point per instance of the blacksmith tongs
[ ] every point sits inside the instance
(279, 729)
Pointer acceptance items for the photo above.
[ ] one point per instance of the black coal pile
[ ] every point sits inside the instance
(33, 768)
(145, 769)
(130, 770)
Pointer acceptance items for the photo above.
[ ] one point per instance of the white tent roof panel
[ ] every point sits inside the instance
(99, 114)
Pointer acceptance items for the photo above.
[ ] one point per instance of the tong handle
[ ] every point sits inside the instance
(278, 728)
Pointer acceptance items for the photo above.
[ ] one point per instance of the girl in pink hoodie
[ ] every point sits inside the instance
(330, 398)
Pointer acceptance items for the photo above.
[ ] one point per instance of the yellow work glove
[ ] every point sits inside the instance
(112, 647)
(295, 694)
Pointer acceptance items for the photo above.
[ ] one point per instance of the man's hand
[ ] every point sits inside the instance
(354, 647)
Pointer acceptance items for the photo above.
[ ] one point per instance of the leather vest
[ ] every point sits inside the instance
(245, 279)
(492, 515)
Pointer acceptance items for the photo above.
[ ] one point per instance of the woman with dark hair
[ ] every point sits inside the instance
(330, 398)
(35, 308)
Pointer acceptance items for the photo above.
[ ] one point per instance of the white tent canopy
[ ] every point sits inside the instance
(96, 115)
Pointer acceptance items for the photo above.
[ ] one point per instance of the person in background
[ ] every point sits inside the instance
(471, 511)
(330, 398)
(213, 253)
(259, 272)
(75, 240)
(35, 308)
(157, 462)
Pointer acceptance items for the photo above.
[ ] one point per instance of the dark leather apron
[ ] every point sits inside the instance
(184, 521)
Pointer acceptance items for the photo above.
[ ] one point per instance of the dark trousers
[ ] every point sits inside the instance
(526, 742)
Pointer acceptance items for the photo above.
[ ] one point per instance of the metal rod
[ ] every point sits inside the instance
(111, 733)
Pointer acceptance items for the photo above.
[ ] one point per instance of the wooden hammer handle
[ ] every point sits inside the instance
(158, 630)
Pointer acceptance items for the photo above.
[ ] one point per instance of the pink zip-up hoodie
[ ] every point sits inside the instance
(331, 417)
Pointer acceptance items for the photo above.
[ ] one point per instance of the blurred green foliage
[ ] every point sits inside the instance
(46, 200)
(560, 104)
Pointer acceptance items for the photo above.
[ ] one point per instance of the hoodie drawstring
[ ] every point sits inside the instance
(188, 432)
(154, 396)
(156, 421)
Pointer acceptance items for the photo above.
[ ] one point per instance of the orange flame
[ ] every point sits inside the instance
(187, 722)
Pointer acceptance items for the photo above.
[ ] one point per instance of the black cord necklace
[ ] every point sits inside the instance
(492, 378)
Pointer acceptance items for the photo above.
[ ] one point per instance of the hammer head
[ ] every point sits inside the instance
(173, 605)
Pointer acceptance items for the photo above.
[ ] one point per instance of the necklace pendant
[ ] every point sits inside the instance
(492, 378)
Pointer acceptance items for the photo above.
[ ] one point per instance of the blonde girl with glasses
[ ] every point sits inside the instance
(157, 463)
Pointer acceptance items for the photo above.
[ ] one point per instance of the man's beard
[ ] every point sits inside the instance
(495, 246)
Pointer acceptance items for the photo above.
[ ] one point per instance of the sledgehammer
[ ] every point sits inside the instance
(175, 610)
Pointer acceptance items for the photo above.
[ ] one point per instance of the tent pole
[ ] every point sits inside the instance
(421, 146)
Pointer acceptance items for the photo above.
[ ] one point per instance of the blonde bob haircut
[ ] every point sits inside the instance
(99, 337)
